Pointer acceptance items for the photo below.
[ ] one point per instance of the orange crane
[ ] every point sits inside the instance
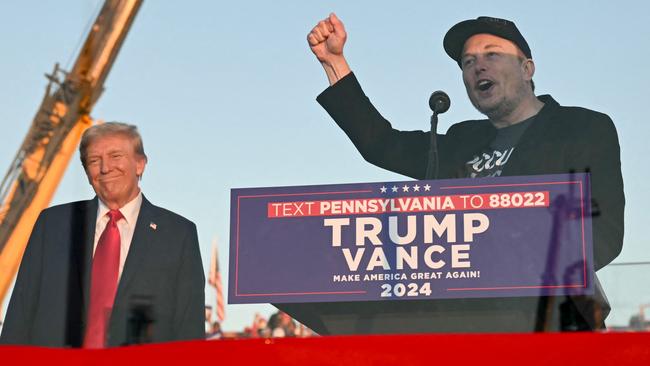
(64, 114)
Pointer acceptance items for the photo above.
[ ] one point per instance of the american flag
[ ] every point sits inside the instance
(214, 280)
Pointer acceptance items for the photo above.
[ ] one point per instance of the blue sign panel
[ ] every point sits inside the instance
(460, 238)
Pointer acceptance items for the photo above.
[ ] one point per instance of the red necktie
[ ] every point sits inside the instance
(106, 267)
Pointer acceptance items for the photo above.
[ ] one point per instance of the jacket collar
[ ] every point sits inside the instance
(530, 140)
(539, 125)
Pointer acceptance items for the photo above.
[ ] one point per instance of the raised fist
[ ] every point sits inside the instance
(327, 38)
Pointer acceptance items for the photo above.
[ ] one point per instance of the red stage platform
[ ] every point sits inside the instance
(485, 349)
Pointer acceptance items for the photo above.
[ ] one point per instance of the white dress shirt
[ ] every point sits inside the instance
(126, 226)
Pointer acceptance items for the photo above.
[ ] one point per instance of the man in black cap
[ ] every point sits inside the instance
(523, 134)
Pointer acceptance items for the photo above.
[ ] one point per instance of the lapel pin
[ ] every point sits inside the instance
(153, 226)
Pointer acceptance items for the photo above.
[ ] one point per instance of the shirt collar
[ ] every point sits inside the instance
(130, 211)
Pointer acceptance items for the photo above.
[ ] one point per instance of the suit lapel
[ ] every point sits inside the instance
(143, 236)
(88, 214)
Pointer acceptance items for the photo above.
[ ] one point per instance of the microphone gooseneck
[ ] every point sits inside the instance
(439, 102)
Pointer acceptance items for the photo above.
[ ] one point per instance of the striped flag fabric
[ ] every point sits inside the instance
(214, 280)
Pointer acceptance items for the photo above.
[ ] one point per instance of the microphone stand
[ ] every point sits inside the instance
(432, 165)
(439, 103)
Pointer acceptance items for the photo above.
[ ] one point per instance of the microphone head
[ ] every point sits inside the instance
(439, 102)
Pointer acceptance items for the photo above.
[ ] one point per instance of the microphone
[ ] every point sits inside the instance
(439, 102)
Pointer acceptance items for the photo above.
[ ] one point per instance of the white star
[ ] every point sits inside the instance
(394, 189)
(383, 189)
(416, 188)
(427, 187)
(405, 188)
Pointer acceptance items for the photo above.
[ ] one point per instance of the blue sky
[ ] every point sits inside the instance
(224, 95)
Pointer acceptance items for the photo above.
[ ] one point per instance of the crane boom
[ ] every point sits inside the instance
(56, 129)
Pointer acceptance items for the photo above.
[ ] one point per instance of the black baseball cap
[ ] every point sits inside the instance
(455, 38)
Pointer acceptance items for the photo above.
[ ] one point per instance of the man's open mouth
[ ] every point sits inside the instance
(484, 85)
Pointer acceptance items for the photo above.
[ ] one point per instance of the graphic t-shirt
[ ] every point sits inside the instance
(491, 160)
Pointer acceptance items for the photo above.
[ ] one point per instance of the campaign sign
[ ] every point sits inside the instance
(455, 238)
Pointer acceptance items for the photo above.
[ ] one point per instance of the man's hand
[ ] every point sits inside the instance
(326, 41)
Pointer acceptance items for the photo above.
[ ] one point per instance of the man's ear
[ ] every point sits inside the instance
(528, 68)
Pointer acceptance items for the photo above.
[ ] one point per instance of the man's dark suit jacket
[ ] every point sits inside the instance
(163, 271)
